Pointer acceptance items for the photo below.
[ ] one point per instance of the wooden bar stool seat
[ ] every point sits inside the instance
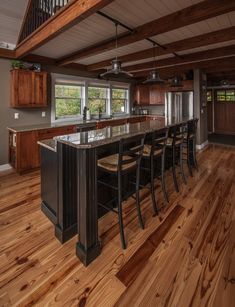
(127, 160)
(190, 144)
(174, 144)
(151, 153)
(147, 151)
(110, 163)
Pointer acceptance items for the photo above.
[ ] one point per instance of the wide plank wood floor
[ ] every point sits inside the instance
(184, 257)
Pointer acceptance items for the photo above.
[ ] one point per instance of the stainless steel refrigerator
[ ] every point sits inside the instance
(178, 105)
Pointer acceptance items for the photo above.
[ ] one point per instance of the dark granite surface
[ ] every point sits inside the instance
(49, 144)
(108, 135)
(66, 123)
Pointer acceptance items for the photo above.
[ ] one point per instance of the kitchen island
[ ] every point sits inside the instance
(71, 169)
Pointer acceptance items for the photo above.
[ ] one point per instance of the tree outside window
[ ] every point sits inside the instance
(119, 100)
(67, 100)
(97, 99)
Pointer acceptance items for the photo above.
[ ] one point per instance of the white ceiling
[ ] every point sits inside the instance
(11, 15)
(96, 29)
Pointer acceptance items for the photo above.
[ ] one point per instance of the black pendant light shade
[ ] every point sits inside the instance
(116, 69)
(176, 82)
(153, 78)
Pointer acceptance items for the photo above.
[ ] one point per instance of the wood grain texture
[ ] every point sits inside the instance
(181, 45)
(183, 257)
(189, 15)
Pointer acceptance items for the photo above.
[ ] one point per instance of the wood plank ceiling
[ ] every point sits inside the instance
(212, 26)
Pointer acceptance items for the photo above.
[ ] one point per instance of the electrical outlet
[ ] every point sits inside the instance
(16, 115)
(43, 114)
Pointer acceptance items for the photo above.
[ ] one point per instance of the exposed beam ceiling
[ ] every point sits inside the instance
(195, 13)
(185, 44)
(192, 57)
(6, 53)
(212, 65)
(73, 13)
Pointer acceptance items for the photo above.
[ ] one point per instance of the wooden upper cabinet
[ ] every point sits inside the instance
(40, 88)
(28, 88)
(157, 94)
(141, 95)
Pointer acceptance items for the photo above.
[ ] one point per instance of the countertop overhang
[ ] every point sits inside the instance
(78, 122)
(108, 135)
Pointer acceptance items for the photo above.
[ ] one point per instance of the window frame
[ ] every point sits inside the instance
(107, 107)
(225, 95)
(127, 103)
(88, 82)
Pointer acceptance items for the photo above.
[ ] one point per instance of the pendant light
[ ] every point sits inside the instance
(176, 82)
(154, 77)
(116, 70)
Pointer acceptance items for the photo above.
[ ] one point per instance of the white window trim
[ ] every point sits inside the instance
(86, 82)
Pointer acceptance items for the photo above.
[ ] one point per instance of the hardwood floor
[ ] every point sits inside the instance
(184, 257)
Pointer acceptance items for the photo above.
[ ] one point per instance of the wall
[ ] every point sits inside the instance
(26, 116)
(199, 110)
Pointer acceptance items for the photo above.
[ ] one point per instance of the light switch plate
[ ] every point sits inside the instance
(43, 114)
(16, 115)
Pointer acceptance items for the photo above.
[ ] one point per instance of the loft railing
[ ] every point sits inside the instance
(38, 12)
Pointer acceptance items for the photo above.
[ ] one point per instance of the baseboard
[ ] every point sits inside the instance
(5, 167)
(203, 145)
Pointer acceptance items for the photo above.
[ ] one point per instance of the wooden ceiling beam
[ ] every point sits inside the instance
(6, 53)
(192, 57)
(73, 13)
(195, 13)
(219, 36)
(212, 65)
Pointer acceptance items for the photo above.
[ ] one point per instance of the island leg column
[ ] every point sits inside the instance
(88, 246)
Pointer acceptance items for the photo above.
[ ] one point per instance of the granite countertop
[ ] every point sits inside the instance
(108, 135)
(68, 123)
(49, 144)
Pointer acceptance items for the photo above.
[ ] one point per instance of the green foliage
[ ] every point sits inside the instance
(17, 64)
(68, 100)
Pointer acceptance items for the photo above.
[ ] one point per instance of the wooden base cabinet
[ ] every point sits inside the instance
(24, 153)
(28, 89)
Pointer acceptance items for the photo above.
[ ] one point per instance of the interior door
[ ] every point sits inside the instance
(224, 110)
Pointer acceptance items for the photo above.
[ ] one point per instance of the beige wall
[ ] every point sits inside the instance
(26, 116)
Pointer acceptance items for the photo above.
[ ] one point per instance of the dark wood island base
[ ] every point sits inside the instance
(73, 175)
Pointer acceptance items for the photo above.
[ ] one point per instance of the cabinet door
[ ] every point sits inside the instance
(21, 88)
(40, 89)
(157, 94)
(142, 94)
(27, 151)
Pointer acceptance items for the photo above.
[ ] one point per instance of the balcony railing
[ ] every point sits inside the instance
(38, 12)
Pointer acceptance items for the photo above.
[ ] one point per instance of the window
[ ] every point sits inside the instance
(209, 96)
(225, 95)
(98, 98)
(70, 94)
(68, 100)
(119, 100)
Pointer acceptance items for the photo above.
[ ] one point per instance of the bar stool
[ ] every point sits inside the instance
(151, 153)
(126, 161)
(190, 144)
(174, 144)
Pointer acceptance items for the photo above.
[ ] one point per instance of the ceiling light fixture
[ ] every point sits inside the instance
(224, 83)
(116, 70)
(154, 77)
(176, 81)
